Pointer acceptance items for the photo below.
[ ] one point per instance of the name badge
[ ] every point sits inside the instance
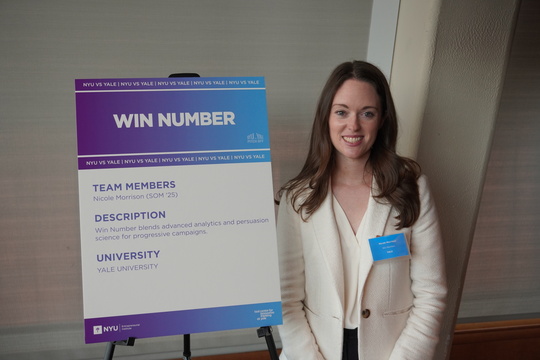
(389, 247)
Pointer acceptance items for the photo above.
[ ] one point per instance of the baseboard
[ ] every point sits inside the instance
(497, 340)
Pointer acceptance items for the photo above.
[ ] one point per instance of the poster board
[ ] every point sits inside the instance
(176, 207)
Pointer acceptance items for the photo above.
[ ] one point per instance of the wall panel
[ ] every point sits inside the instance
(503, 275)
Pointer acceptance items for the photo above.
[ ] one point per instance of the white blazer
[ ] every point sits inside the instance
(402, 300)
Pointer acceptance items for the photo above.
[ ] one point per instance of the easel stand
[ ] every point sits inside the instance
(265, 331)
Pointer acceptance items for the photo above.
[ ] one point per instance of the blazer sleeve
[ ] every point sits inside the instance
(420, 336)
(296, 336)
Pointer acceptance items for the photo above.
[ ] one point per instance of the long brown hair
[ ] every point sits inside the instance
(396, 176)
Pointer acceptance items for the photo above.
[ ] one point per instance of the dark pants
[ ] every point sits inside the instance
(350, 344)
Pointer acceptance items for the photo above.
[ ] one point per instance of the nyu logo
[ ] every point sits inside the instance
(99, 329)
(254, 138)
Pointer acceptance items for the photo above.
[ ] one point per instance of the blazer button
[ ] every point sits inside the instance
(366, 313)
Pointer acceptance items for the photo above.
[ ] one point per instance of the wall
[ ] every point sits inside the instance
(460, 86)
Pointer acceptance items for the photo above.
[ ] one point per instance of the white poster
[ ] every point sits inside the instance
(176, 207)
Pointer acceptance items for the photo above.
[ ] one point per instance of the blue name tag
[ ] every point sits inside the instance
(389, 247)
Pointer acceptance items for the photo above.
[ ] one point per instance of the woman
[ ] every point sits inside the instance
(338, 303)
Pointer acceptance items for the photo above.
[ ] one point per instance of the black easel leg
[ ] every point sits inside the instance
(109, 351)
(266, 331)
(187, 347)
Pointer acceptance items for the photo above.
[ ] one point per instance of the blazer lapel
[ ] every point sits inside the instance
(327, 236)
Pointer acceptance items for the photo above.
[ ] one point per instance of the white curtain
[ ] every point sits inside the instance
(45, 45)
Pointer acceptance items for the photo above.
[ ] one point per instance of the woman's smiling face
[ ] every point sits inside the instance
(355, 118)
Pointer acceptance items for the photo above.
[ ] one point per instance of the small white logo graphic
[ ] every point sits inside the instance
(255, 138)
(98, 330)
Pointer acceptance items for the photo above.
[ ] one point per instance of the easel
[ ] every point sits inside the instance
(265, 331)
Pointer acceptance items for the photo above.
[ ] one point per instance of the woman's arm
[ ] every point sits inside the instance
(296, 336)
(421, 334)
